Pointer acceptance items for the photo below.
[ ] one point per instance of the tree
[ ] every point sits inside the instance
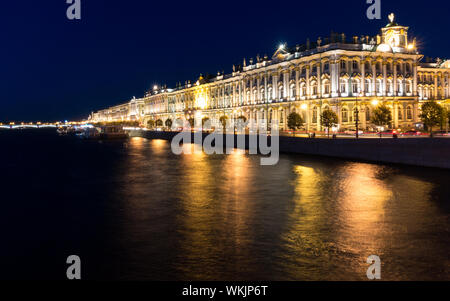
(448, 118)
(329, 119)
(295, 121)
(431, 115)
(191, 122)
(240, 122)
(243, 118)
(168, 123)
(204, 120)
(150, 124)
(159, 122)
(223, 120)
(381, 116)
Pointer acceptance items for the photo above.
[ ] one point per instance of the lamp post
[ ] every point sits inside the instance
(357, 116)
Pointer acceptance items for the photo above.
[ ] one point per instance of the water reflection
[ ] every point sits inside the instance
(225, 217)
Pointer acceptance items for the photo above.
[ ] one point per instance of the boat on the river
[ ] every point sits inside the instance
(65, 130)
(103, 133)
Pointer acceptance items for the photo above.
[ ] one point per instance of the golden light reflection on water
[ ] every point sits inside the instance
(216, 212)
(352, 202)
(362, 199)
(296, 221)
(159, 146)
(137, 142)
(340, 218)
(303, 240)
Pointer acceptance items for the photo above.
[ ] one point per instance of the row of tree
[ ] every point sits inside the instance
(168, 123)
(432, 115)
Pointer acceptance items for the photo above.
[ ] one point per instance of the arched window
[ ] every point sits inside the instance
(280, 92)
(270, 94)
(343, 66)
(367, 114)
(343, 86)
(302, 89)
(292, 92)
(355, 86)
(262, 95)
(378, 86)
(400, 86)
(409, 113)
(344, 115)
(400, 113)
(314, 118)
(326, 87)
(408, 86)
(313, 88)
(368, 86)
(390, 87)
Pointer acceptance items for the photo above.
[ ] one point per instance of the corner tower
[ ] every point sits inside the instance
(395, 35)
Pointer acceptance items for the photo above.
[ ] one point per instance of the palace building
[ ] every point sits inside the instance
(334, 72)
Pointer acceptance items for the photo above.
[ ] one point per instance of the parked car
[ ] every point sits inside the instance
(412, 133)
(441, 134)
(389, 133)
(353, 132)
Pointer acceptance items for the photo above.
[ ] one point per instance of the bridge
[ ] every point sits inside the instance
(27, 126)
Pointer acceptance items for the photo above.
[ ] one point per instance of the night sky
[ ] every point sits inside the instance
(56, 69)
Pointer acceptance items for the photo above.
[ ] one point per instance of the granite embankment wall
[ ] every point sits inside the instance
(425, 152)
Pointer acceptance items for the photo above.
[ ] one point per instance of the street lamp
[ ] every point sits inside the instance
(357, 115)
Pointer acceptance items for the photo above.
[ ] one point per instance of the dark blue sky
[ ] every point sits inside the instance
(55, 69)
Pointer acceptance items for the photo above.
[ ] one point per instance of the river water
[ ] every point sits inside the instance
(133, 210)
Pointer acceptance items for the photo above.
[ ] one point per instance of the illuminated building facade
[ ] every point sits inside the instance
(331, 73)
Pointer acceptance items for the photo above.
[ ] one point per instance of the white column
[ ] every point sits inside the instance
(363, 78)
(308, 93)
(395, 79)
(415, 79)
(374, 78)
(384, 88)
(435, 86)
(334, 79)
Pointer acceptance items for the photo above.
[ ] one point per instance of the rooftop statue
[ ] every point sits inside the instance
(391, 17)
